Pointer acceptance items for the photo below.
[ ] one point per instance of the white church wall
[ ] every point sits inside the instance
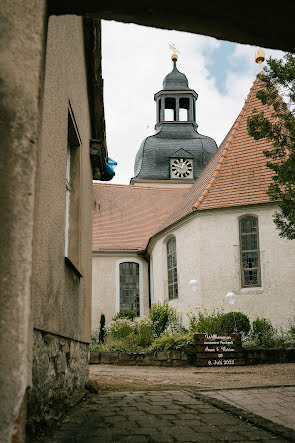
(106, 285)
(208, 251)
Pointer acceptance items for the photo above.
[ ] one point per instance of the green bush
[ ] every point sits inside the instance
(102, 328)
(234, 322)
(206, 322)
(175, 341)
(127, 313)
(161, 316)
(264, 334)
(143, 334)
(119, 329)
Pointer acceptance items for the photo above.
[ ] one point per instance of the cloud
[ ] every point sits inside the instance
(135, 60)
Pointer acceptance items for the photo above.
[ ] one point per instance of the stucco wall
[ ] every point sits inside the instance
(23, 26)
(105, 285)
(62, 301)
(208, 251)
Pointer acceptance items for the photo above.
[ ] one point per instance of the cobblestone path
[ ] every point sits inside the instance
(153, 416)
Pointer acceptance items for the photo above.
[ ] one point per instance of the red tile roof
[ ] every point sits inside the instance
(241, 176)
(237, 173)
(126, 216)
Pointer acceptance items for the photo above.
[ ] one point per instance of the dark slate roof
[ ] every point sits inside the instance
(175, 80)
(152, 159)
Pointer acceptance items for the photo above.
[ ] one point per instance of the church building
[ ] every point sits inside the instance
(195, 223)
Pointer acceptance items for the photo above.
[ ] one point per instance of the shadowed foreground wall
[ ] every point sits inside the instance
(21, 51)
(61, 296)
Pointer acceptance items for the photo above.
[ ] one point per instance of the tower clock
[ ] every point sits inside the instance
(181, 168)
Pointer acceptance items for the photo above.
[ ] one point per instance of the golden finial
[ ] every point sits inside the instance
(259, 57)
(174, 56)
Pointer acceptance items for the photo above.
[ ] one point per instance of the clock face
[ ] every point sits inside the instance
(181, 168)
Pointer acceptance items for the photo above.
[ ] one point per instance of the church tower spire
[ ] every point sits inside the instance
(176, 154)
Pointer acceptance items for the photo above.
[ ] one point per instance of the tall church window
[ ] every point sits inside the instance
(129, 287)
(170, 109)
(172, 269)
(249, 249)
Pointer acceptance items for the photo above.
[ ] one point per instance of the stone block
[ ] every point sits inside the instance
(126, 356)
(94, 357)
(162, 355)
(109, 357)
(53, 347)
(61, 364)
(184, 357)
(64, 345)
(175, 354)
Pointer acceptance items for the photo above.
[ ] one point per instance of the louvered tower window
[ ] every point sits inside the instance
(172, 269)
(249, 247)
(129, 287)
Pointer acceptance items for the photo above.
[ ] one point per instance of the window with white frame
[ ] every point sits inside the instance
(249, 251)
(72, 221)
(172, 269)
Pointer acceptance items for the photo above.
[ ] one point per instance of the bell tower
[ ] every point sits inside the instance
(176, 154)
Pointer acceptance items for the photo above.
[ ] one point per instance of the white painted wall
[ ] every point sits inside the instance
(208, 251)
(105, 285)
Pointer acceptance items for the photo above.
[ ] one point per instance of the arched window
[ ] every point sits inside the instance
(172, 269)
(129, 287)
(249, 247)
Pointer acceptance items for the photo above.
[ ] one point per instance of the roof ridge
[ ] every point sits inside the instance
(226, 148)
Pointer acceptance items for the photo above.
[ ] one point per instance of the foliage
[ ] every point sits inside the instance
(93, 347)
(234, 322)
(102, 328)
(171, 341)
(94, 337)
(126, 313)
(207, 322)
(175, 341)
(161, 316)
(144, 332)
(119, 329)
(279, 76)
(264, 335)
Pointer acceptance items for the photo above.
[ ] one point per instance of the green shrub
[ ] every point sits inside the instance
(102, 328)
(119, 329)
(94, 337)
(234, 322)
(126, 313)
(263, 333)
(161, 316)
(206, 322)
(143, 334)
(175, 341)
(94, 348)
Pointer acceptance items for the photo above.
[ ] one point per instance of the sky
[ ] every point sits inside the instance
(135, 60)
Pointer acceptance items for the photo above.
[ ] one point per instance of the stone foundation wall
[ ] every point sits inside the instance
(60, 371)
(161, 358)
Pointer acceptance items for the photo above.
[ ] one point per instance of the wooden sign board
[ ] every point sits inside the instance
(219, 350)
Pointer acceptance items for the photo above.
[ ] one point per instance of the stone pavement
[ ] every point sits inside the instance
(154, 416)
(275, 404)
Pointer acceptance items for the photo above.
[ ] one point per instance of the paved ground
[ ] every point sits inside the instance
(154, 416)
(275, 404)
(154, 404)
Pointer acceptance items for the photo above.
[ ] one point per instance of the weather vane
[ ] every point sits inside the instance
(174, 55)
